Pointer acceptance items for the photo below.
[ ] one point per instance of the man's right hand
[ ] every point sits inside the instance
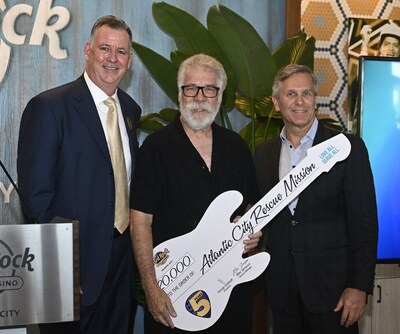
(160, 306)
(158, 302)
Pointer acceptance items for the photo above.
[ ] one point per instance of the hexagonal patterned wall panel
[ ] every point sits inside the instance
(328, 22)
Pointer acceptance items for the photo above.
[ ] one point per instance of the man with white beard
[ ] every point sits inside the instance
(179, 171)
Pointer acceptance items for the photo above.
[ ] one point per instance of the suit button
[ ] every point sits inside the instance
(294, 223)
(110, 204)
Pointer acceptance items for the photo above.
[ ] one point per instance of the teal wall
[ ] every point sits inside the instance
(41, 46)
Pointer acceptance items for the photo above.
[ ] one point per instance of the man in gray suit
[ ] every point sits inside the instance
(323, 244)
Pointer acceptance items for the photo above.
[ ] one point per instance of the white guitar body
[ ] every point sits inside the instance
(198, 270)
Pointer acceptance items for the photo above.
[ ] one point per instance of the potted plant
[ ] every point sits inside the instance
(248, 62)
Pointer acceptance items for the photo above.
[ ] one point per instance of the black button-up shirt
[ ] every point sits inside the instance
(173, 183)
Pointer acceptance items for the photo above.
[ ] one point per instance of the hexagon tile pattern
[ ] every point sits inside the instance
(327, 21)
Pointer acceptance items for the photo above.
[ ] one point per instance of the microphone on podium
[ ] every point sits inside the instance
(25, 208)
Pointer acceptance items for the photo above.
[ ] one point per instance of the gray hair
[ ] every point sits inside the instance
(112, 22)
(289, 70)
(208, 64)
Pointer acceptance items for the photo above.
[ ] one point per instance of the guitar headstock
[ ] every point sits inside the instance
(330, 151)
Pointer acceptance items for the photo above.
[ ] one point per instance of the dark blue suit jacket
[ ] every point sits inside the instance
(64, 169)
(331, 238)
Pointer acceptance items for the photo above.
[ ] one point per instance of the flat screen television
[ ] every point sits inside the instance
(378, 124)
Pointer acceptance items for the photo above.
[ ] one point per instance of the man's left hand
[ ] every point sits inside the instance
(352, 302)
(252, 241)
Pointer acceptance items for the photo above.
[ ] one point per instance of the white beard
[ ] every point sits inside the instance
(195, 120)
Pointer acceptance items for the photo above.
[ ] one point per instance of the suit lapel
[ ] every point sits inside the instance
(129, 123)
(86, 109)
(320, 136)
(273, 162)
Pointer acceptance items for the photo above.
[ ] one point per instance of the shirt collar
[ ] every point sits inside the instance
(98, 95)
(310, 135)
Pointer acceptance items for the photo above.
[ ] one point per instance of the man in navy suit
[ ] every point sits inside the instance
(323, 244)
(65, 170)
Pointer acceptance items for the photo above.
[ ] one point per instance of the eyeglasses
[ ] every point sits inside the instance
(193, 90)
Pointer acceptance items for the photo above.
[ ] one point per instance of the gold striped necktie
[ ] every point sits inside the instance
(121, 220)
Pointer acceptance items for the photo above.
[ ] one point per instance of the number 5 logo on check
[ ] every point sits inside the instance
(199, 304)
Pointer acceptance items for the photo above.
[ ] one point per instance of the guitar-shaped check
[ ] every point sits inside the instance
(198, 270)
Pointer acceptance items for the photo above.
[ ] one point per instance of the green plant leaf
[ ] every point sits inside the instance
(245, 50)
(156, 121)
(306, 56)
(248, 55)
(268, 129)
(178, 57)
(262, 105)
(160, 68)
(295, 50)
(263, 130)
(249, 65)
(150, 125)
(190, 36)
(247, 133)
(168, 114)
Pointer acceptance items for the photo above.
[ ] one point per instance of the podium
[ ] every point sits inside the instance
(39, 273)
